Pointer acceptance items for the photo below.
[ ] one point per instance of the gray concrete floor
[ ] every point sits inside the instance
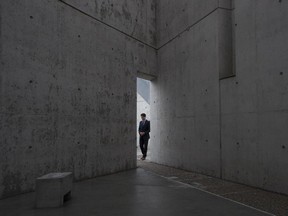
(273, 203)
(133, 193)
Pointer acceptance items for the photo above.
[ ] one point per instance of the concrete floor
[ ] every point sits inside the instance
(132, 193)
(271, 202)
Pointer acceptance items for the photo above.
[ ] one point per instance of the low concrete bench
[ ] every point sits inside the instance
(53, 189)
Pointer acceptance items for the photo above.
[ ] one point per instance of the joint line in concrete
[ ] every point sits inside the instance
(110, 26)
(229, 9)
(211, 193)
(189, 27)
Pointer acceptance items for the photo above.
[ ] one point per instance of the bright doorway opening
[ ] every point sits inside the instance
(143, 106)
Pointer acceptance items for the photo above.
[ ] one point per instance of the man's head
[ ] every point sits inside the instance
(143, 116)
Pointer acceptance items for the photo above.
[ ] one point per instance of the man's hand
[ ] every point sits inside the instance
(142, 133)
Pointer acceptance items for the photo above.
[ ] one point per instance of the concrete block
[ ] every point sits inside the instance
(53, 189)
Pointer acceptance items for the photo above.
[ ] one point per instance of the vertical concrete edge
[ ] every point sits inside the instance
(225, 43)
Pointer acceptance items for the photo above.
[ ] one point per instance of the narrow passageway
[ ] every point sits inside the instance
(143, 106)
(132, 193)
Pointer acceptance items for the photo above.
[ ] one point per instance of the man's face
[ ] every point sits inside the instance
(143, 118)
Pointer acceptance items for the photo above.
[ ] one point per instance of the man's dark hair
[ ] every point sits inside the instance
(143, 114)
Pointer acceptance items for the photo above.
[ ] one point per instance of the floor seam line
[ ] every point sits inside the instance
(217, 195)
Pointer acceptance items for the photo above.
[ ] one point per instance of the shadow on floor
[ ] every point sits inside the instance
(132, 193)
(274, 203)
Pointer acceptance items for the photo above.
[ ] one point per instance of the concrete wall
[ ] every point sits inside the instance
(68, 77)
(254, 104)
(68, 89)
(175, 17)
(185, 97)
(136, 18)
(233, 128)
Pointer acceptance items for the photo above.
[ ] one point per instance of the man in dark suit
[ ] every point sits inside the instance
(144, 130)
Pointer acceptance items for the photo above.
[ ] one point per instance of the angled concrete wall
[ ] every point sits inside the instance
(67, 81)
(135, 18)
(185, 97)
(175, 17)
(219, 105)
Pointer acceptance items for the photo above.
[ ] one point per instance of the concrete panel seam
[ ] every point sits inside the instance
(199, 189)
(189, 27)
(106, 24)
(228, 9)
(227, 77)
(220, 132)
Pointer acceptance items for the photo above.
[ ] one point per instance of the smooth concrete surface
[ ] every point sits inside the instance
(68, 81)
(185, 126)
(254, 104)
(132, 193)
(174, 17)
(52, 188)
(136, 18)
(233, 128)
